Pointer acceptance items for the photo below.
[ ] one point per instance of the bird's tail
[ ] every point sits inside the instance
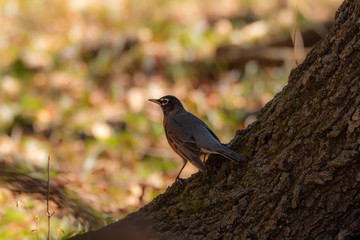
(230, 154)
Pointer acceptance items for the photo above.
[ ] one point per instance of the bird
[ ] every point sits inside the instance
(189, 136)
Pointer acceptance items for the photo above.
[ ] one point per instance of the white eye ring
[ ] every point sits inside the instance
(164, 101)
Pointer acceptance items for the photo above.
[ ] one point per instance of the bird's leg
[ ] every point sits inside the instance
(178, 176)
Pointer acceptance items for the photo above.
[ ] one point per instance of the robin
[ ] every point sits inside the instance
(190, 137)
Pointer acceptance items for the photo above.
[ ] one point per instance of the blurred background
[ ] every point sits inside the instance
(75, 77)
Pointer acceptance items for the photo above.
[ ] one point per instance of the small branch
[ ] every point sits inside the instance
(295, 33)
(49, 215)
(36, 218)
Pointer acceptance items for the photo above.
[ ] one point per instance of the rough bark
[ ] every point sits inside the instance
(302, 179)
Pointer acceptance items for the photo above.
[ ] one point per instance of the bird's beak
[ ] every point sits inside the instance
(154, 101)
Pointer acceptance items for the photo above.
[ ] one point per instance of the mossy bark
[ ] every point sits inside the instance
(302, 177)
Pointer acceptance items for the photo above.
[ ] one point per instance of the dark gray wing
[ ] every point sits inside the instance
(204, 137)
(212, 133)
(184, 142)
(196, 137)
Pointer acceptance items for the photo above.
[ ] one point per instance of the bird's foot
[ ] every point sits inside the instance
(180, 180)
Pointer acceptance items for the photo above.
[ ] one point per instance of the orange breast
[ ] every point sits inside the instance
(169, 141)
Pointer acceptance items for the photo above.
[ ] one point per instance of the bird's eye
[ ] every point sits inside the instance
(164, 101)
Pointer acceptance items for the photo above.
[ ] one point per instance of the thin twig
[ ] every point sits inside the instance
(295, 33)
(36, 226)
(49, 215)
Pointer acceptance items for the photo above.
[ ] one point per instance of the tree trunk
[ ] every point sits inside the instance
(302, 179)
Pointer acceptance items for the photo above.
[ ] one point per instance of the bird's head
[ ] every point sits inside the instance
(169, 104)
